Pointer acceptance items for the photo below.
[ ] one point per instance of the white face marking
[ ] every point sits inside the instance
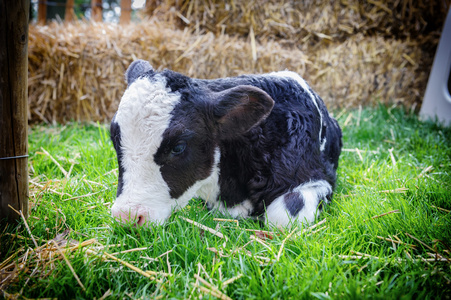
(312, 192)
(143, 116)
(209, 191)
(305, 86)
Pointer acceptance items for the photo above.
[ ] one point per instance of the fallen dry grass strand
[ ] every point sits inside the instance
(130, 250)
(46, 188)
(359, 154)
(231, 280)
(279, 254)
(425, 170)
(149, 273)
(217, 252)
(442, 209)
(401, 190)
(11, 257)
(211, 230)
(227, 220)
(393, 244)
(257, 239)
(419, 241)
(165, 253)
(309, 229)
(396, 241)
(168, 263)
(359, 150)
(364, 254)
(211, 292)
(392, 157)
(95, 183)
(65, 173)
(211, 287)
(359, 116)
(348, 120)
(70, 266)
(436, 254)
(42, 257)
(114, 172)
(84, 196)
(408, 255)
(26, 226)
(396, 211)
(400, 260)
(353, 257)
(77, 155)
(202, 268)
(107, 294)
(14, 210)
(317, 230)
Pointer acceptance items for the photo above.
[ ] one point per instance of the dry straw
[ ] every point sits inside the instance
(76, 70)
(302, 20)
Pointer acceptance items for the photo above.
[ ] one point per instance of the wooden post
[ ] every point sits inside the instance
(126, 10)
(151, 5)
(69, 15)
(96, 10)
(42, 12)
(13, 108)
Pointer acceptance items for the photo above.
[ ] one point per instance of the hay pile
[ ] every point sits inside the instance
(76, 70)
(301, 20)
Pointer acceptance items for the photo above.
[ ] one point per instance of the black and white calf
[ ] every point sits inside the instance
(251, 146)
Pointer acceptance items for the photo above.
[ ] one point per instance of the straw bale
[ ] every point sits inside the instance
(76, 70)
(303, 20)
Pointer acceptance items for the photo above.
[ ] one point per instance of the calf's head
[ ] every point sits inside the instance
(166, 134)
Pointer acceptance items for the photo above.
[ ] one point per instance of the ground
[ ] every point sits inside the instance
(386, 234)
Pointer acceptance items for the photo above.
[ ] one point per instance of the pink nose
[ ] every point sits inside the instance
(134, 216)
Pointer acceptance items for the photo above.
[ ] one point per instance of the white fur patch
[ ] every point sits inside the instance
(312, 192)
(323, 144)
(143, 116)
(209, 190)
(241, 210)
(306, 87)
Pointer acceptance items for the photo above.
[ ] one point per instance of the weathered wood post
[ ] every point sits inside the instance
(126, 11)
(42, 12)
(96, 10)
(69, 16)
(13, 108)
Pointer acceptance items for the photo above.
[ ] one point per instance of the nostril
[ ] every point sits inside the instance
(140, 220)
(135, 216)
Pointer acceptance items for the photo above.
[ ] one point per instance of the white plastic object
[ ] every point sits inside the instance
(437, 98)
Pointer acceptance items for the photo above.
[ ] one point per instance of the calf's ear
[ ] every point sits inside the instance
(136, 69)
(239, 109)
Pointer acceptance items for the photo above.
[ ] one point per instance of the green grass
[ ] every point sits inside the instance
(318, 264)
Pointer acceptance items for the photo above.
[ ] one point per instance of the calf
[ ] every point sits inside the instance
(251, 146)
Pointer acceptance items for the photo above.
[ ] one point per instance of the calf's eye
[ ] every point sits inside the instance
(179, 148)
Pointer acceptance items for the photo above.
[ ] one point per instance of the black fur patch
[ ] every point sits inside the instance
(115, 134)
(294, 202)
(188, 125)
